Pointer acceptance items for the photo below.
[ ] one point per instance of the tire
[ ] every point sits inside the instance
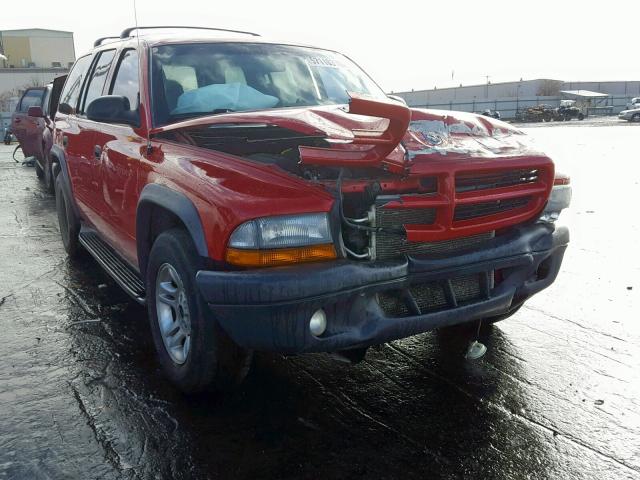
(195, 353)
(635, 117)
(580, 116)
(48, 179)
(39, 171)
(67, 220)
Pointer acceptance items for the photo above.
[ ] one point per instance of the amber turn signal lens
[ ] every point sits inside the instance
(280, 256)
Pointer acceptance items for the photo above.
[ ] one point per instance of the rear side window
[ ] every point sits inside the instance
(45, 101)
(71, 91)
(125, 80)
(98, 78)
(31, 98)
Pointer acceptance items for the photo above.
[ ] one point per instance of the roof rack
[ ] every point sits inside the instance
(127, 32)
(99, 41)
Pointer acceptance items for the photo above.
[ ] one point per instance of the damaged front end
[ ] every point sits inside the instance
(435, 222)
(407, 181)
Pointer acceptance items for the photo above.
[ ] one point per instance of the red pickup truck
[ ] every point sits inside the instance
(266, 196)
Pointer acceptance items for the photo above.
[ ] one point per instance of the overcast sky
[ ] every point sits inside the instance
(402, 44)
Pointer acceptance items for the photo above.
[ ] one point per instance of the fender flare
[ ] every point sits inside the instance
(153, 195)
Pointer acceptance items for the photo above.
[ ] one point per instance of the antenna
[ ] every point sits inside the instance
(135, 17)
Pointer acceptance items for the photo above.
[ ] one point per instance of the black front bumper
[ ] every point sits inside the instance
(269, 309)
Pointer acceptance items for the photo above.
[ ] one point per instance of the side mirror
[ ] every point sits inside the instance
(397, 99)
(112, 109)
(36, 112)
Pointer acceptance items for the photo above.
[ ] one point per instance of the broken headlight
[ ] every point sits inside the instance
(559, 199)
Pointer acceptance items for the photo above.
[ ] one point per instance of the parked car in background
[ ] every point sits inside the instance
(236, 188)
(632, 115)
(634, 103)
(491, 113)
(33, 122)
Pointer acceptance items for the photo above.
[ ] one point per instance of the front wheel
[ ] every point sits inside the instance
(194, 351)
(635, 117)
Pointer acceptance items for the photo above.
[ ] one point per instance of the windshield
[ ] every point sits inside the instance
(190, 80)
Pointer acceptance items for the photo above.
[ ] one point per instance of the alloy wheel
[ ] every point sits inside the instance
(173, 315)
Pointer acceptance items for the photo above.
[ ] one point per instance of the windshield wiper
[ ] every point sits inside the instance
(185, 115)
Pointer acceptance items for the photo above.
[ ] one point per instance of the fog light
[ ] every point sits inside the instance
(318, 323)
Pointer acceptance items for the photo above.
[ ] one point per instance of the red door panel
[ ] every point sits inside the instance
(121, 148)
(28, 130)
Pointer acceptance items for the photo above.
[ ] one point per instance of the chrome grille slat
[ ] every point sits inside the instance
(466, 182)
(475, 210)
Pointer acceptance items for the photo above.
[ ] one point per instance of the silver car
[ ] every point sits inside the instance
(633, 104)
(632, 115)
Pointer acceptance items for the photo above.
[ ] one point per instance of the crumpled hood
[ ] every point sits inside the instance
(380, 134)
(442, 133)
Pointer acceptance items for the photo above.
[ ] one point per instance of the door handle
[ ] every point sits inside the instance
(97, 151)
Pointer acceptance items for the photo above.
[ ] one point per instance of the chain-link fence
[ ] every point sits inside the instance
(509, 107)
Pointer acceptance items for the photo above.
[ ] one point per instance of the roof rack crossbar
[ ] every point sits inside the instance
(127, 32)
(102, 39)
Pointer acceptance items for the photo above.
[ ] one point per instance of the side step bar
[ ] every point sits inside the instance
(115, 266)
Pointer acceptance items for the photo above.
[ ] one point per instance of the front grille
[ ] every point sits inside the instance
(390, 217)
(433, 296)
(460, 206)
(475, 210)
(467, 182)
(389, 245)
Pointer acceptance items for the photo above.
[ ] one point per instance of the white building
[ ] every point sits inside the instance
(37, 48)
(510, 90)
(34, 57)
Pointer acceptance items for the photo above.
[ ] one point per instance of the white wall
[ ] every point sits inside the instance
(11, 78)
(511, 90)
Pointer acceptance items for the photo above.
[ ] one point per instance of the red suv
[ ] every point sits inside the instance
(268, 196)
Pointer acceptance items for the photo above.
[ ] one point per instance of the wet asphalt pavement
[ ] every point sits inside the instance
(557, 395)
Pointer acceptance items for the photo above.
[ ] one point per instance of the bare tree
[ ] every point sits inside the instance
(7, 98)
(549, 88)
